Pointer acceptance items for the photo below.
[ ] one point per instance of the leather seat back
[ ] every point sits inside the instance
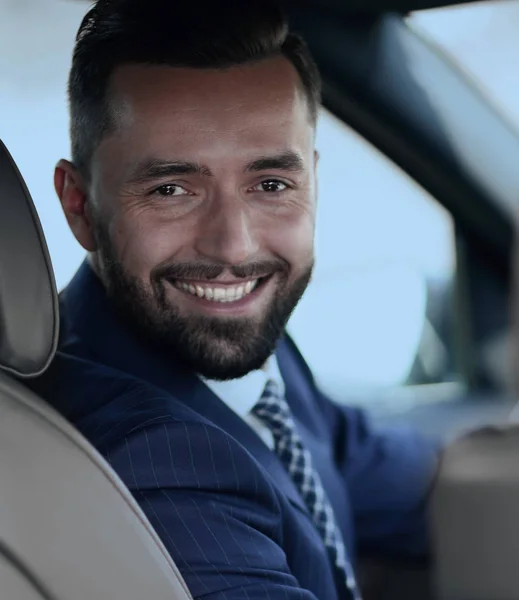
(475, 517)
(69, 529)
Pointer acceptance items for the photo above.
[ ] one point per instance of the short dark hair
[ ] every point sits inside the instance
(191, 33)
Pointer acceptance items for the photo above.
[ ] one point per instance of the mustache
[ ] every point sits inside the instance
(205, 271)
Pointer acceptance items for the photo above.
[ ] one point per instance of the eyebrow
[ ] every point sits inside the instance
(286, 161)
(153, 169)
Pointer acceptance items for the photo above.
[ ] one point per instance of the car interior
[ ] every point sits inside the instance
(69, 529)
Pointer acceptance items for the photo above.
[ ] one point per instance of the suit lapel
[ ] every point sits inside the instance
(206, 403)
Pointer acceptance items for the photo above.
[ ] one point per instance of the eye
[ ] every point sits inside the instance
(271, 186)
(170, 189)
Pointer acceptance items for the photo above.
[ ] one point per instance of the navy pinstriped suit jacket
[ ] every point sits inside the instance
(218, 497)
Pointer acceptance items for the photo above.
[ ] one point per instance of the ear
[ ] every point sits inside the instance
(72, 193)
(316, 174)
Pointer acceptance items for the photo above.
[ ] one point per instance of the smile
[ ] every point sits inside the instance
(215, 293)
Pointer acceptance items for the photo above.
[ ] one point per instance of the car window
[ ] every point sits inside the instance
(378, 311)
(482, 38)
(36, 42)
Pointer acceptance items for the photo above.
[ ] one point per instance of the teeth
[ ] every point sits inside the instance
(218, 294)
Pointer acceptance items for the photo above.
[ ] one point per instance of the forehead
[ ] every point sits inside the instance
(260, 103)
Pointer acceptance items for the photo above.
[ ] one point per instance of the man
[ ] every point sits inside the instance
(193, 190)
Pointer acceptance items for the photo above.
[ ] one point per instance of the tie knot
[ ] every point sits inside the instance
(271, 390)
(272, 408)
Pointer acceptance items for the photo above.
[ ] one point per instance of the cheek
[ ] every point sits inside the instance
(143, 243)
(293, 239)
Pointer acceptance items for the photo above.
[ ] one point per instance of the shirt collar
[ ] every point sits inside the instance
(242, 394)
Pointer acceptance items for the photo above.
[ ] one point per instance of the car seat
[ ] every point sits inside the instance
(475, 517)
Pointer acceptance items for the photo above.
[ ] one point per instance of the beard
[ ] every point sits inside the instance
(219, 348)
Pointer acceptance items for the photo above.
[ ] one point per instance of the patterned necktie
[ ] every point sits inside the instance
(273, 411)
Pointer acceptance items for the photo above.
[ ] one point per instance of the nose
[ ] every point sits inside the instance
(227, 234)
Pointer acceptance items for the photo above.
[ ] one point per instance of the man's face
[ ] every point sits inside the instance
(202, 206)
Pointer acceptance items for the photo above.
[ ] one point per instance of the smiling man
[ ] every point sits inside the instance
(192, 187)
(201, 205)
(201, 225)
